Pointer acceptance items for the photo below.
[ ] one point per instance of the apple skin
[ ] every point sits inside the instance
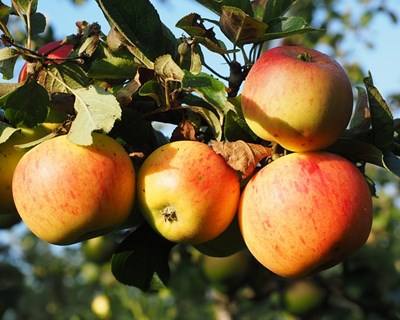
(305, 212)
(54, 50)
(9, 157)
(67, 193)
(187, 192)
(302, 105)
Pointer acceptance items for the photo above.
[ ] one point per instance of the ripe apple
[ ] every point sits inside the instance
(54, 50)
(227, 243)
(66, 193)
(187, 192)
(298, 97)
(9, 157)
(305, 212)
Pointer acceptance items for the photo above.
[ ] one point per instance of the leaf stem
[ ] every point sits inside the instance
(29, 27)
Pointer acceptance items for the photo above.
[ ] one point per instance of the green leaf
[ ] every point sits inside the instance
(140, 24)
(6, 131)
(151, 89)
(216, 5)
(381, 117)
(8, 57)
(236, 128)
(193, 25)
(241, 28)
(392, 163)
(142, 256)
(211, 119)
(25, 7)
(113, 68)
(275, 9)
(27, 105)
(96, 110)
(38, 23)
(288, 26)
(69, 73)
(210, 89)
(361, 119)
(4, 12)
(358, 151)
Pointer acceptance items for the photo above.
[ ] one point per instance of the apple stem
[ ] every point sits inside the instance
(304, 56)
(169, 214)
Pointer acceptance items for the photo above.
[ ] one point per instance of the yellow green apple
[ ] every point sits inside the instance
(187, 192)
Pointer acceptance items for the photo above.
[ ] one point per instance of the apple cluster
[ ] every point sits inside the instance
(301, 213)
(308, 210)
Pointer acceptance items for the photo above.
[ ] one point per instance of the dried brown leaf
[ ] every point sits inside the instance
(184, 131)
(240, 155)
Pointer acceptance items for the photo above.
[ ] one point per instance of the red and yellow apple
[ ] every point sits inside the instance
(66, 193)
(187, 192)
(297, 97)
(305, 212)
(9, 157)
(53, 50)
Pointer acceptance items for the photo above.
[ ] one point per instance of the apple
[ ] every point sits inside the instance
(305, 212)
(66, 193)
(297, 97)
(101, 306)
(187, 192)
(227, 243)
(99, 249)
(226, 269)
(303, 296)
(54, 50)
(9, 157)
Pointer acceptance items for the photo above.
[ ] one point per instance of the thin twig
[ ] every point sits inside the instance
(215, 72)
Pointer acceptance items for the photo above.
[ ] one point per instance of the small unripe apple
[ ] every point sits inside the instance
(187, 192)
(225, 269)
(9, 157)
(101, 306)
(99, 249)
(305, 212)
(303, 296)
(298, 97)
(53, 50)
(66, 193)
(227, 243)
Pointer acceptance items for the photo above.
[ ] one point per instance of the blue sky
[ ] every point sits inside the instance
(382, 61)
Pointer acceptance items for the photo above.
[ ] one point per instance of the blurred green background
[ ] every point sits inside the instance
(40, 281)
